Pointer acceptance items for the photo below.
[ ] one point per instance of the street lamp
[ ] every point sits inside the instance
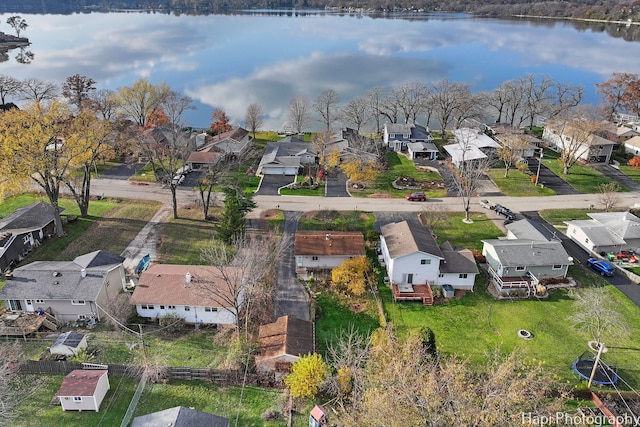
(539, 162)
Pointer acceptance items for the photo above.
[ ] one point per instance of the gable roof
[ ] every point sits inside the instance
(414, 130)
(30, 217)
(180, 416)
(80, 382)
(633, 142)
(457, 260)
(285, 153)
(474, 138)
(518, 252)
(167, 284)
(287, 335)
(405, 238)
(597, 233)
(525, 229)
(56, 280)
(624, 224)
(329, 243)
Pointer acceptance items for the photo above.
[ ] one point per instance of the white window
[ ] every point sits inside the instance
(77, 398)
(147, 306)
(162, 307)
(187, 308)
(520, 268)
(314, 258)
(441, 275)
(210, 309)
(78, 302)
(39, 301)
(171, 307)
(425, 261)
(556, 267)
(82, 317)
(29, 302)
(586, 240)
(462, 276)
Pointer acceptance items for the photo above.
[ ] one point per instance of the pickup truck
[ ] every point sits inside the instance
(602, 267)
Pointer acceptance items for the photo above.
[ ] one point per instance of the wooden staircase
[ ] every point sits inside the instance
(50, 322)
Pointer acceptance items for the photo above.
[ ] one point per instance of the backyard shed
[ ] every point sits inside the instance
(83, 390)
(69, 343)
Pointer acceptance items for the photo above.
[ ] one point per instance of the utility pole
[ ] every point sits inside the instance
(144, 350)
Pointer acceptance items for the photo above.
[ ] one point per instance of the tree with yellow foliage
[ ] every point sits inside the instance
(308, 374)
(36, 147)
(361, 169)
(352, 275)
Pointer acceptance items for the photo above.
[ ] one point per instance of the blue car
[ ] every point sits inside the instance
(602, 267)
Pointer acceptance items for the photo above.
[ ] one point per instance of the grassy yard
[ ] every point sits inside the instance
(337, 221)
(518, 184)
(400, 165)
(476, 325)
(556, 217)
(183, 239)
(36, 408)
(470, 236)
(631, 171)
(583, 178)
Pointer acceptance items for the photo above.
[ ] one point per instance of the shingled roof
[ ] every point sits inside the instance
(80, 382)
(405, 238)
(287, 335)
(329, 243)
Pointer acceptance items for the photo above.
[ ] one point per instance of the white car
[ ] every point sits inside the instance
(177, 180)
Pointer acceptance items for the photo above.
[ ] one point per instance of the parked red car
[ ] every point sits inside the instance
(416, 197)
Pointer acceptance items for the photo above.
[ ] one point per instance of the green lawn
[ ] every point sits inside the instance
(631, 171)
(556, 217)
(476, 325)
(318, 192)
(583, 178)
(518, 184)
(183, 239)
(337, 220)
(36, 408)
(470, 236)
(215, 399)
(400, 165)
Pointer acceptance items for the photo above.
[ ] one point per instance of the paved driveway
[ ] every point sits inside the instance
(336, 184)
(550, 179)
(122, 171)
(615, 174)
(270, 184)
(291, 297)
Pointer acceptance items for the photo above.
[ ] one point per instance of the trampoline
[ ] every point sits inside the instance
(604, 374)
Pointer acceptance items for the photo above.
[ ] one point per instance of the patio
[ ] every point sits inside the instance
(412, 292)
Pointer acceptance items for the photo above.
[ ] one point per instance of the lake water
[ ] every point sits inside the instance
(231, 61)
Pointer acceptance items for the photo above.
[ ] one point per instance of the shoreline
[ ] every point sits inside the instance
(569, 18)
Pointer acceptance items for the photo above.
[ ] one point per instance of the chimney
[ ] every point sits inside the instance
(188, 277)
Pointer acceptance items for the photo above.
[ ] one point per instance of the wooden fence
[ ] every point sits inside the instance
(175, 373)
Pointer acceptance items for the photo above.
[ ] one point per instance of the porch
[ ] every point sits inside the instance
(527, 285)
(412, 292)
(26, 323)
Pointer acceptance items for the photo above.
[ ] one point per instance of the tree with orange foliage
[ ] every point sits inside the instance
(219, 122)
(634, 161)
(352, 275)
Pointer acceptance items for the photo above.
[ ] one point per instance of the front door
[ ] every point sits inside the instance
(30, 305)
(410, 278)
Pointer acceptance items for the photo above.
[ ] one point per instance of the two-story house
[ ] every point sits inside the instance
(410, 137)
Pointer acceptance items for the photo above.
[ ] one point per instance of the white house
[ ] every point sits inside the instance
(286, 157)
(198, 294)
(632, 145)
(325, 250)
(413, 257)
(71, 290)
(83, 390)
(470, 145)
(590, 149)
(606, 232)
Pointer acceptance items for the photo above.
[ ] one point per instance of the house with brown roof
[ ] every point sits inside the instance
(325, 250)
(198, 294)
(83, 390)
(214, 148)
(415, 261)
(283, 342)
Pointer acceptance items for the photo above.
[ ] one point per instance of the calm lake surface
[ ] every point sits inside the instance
(231, 61)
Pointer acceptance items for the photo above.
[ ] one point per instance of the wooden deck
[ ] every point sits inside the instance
(409, 292)
(26, 323)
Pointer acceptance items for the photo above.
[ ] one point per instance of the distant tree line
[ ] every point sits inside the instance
(615, 10)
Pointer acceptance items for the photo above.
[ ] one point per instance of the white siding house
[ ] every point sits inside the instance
(325, 250)
(198, 294)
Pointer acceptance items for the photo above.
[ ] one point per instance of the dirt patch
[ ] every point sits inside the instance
(270, 214)
(380, 196)
(356, 307)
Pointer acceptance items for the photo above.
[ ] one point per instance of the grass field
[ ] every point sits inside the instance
(518, 184)
(183, 239)
(338, 221)
(631, 171)
(470, 236)
(583, 178)
(400, 165)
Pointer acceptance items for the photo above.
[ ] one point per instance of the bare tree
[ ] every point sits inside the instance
(299, 108)
(9, 86)
(513, 149)
(608, 196)
(566, 98)
(18, 23)
(449, 100)
(537, 96)
(375, 99)
(515, 99)
(326, 104)
(14, 388)
(244, 268)
(76, 90)
(348, 356)
(38, 90)
(103, 102)
(434, 215)
(467, 179)
(618, 91)
(597, 315)
(356, 112)
(254, 118)
(410, 99)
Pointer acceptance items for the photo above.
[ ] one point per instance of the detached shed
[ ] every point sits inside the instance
(69, 343)
(83, 390)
